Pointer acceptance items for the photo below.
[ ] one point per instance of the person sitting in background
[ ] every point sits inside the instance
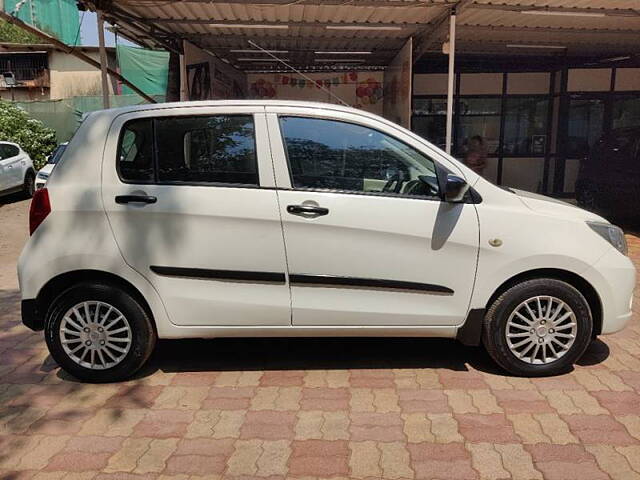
(476, 154)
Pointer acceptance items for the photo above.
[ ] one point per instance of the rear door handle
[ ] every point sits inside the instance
(122, 199)
(307, 210)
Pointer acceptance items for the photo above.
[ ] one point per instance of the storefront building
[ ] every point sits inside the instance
(539, 82)
(537, 123)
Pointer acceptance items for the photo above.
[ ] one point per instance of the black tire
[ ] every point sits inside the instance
(495, 324)
(143, 335)
(29, 186)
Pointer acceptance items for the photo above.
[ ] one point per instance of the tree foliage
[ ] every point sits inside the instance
(12, 34)
(31, 134)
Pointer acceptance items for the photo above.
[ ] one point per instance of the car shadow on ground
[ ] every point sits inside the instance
(263, 354)
(12, 198)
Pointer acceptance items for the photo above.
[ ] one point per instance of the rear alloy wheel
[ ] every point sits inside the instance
(99, 333)
(538, 327)
(95, 335)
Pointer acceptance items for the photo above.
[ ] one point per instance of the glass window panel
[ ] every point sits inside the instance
(432, 128)
(525, 126)
(429, 106)
(479, 106)
(135, 151)
(487, 127)
(586, 117)
(207, 149)
(626, 113)
(328, 154)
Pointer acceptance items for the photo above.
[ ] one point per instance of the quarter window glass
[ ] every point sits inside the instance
(328, 154)
(135, 157)
(207, 149)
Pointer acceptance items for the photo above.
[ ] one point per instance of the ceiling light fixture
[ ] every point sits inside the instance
(258, 51)
(337, 60)
(360, 27)
(241, 25)
(366, 52)
(517, 45)
(615, 59)
(563, 14)
(261, 59)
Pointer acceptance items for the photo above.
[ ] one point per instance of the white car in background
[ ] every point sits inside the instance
(16, 170)
(54, 158)
(277, 218)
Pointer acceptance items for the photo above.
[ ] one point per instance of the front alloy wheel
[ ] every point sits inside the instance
(541, 330)
(538, 327)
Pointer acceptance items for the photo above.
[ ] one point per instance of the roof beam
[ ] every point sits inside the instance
(509, 28)
(619, 12)
(275, 3)
(214, 21)
(438, 30)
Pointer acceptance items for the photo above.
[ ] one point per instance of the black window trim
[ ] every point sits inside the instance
(339, 191)
(154, 153)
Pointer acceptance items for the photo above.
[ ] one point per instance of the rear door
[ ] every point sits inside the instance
(369, 243)
(190, 196)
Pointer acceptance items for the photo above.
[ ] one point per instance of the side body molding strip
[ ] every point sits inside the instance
(296, 279)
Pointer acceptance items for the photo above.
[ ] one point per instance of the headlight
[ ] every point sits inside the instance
(612, 234)
(43, 175)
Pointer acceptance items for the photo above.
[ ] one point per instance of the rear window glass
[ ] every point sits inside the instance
(207, 149)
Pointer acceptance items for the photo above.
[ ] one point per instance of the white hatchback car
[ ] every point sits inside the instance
(274, 218)
(16, 170)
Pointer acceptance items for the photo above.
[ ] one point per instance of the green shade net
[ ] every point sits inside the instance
(64, 116)
(146, 69)
(55, 17)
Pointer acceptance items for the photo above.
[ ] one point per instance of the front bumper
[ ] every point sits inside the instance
(614, 278)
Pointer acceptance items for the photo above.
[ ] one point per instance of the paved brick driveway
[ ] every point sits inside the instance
(302, 408)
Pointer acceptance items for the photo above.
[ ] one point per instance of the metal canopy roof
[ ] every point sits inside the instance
(317, 34)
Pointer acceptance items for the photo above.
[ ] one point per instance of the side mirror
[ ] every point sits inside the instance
(455, 189)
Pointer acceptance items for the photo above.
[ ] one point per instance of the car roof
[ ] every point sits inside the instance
(3, 142)
(232, 103)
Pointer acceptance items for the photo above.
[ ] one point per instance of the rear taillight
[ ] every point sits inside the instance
(40, 208)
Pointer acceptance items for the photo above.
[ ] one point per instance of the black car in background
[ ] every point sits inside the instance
(609, 178)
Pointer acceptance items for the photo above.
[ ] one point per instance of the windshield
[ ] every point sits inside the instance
(57, 154)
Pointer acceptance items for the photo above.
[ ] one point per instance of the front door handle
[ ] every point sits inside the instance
(122, 199)
(307, 210)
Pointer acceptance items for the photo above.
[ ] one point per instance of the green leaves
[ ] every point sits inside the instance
(31, 134)
(12, 34)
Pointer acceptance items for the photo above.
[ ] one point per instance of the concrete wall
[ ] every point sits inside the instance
(71, 77)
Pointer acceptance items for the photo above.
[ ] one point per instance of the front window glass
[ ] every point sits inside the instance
(207, 149)
(334, 155)
(135, 152)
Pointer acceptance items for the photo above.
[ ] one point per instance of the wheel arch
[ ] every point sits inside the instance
(573, 279)
(60, 283)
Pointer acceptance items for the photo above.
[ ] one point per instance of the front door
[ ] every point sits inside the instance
(369, 243)
(189, 194)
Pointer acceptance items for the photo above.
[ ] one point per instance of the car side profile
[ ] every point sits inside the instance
(276, 218)
(16, 170)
